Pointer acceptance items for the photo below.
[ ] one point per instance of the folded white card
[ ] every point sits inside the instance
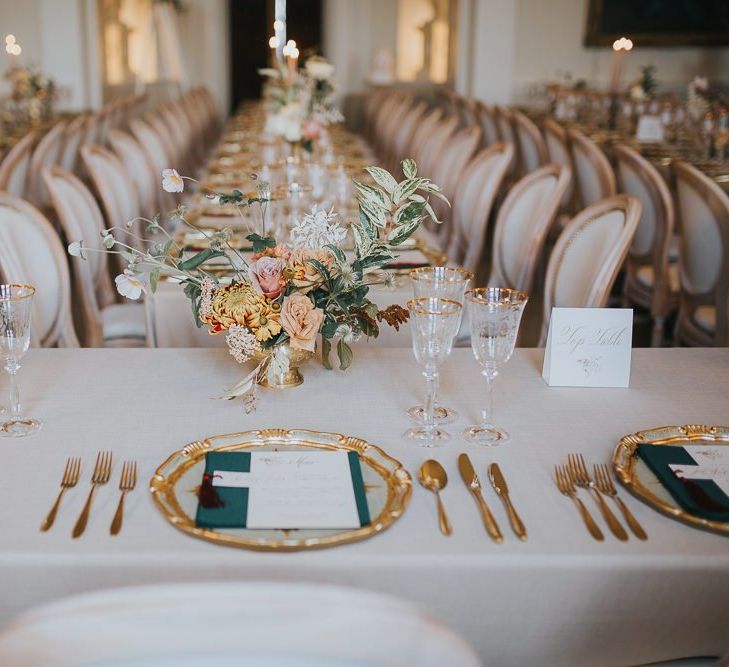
(297, 490)
(588, 347)
(650, 129)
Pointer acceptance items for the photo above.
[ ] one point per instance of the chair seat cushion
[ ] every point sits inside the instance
(124, 320)
(646, 275)
(705, 317)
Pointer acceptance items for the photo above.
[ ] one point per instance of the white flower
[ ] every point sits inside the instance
(129, 285)
(637, 93)
(172, 181)
(287, 122)
(317, 229)
(242, 344)
(213, 199)
(700, 83)
(319, 69)
(76, 249)
(346, 333)
(108, 241)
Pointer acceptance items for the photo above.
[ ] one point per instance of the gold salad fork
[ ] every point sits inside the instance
(580, 476)
(70, 479)
(127, 483)
(606, 486)
(102, 472)
(567, 488)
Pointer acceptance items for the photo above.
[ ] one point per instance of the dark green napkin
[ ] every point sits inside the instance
(700, 497)
(232, 511)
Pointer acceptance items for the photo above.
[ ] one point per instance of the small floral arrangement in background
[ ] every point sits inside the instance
(290, 291)
(33, 89)
(646, 86)
(302, 102)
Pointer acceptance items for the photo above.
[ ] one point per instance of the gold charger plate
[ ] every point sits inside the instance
(388, 487)
(638, 478)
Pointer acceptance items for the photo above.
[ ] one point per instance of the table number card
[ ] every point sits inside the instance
(649, 130)
(588, 347)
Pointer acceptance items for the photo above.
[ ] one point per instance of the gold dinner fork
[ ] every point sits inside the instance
(567, 488)
(102, 472)
(127, 483)
(70, 479)
(580, 476)
(606, 485)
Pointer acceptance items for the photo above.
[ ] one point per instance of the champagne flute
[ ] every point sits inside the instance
(433, 325)
(443, 282)
(495, 314)
(15, 306)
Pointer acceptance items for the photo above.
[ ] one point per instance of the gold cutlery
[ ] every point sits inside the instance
(102, 472)
(433, 477)
(606, 486)
(70, 479)
(470, 478)
(502, 490)
(580, 476)
(127, 482)
(567, 488)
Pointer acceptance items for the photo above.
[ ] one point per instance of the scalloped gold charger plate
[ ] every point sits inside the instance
(637, 477)
(388, 487)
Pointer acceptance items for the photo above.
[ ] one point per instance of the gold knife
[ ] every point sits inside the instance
(502, 490)
(469, 476)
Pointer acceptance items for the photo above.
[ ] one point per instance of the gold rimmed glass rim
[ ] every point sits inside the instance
(29, 291)
(497, 296)
(430, 274)
(417, 306)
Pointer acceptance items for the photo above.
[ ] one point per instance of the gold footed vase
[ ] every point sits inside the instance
(286, 379)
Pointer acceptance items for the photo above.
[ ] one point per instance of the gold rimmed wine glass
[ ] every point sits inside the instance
(443, 282)
(494, 315)
(433, 325)
(16, 301)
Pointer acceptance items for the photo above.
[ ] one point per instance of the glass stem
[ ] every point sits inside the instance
(431, 378)
(12, 368)
(487, 413)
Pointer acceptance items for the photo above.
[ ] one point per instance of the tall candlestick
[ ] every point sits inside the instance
(621, 48)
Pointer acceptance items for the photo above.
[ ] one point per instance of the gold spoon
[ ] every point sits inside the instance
(433, 477)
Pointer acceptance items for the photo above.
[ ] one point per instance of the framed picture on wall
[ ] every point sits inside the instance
(658, 22)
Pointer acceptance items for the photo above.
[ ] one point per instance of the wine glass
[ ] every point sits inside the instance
(495, 314)
(433, 324)
(443, 282)
(15, 306)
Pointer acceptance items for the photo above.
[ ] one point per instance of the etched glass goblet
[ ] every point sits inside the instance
(494, 315)
(433, 325)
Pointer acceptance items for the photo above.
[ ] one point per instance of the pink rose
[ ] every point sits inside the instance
(265, 276)
(310, 130)
(301, 321)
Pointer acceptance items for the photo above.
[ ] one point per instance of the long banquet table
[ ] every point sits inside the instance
(558, 599)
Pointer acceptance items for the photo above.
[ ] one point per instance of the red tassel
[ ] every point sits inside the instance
(208, 495)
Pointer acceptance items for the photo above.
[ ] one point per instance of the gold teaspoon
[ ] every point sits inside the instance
(433, 477)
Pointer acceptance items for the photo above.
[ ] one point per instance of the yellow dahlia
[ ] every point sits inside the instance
(240, 304)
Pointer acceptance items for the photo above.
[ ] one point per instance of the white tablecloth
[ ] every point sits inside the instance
(558, 599)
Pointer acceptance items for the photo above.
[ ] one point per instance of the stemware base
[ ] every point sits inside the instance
(424, 438)
(19, 427)
(489, 436)
(441, 415)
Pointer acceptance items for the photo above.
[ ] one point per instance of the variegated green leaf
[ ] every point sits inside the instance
(383, 178)
(409, 212)
(403, 232)
(409, 168)
(374, 195)
(403, 190)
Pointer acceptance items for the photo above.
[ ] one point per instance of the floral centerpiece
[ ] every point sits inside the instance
(276, 305)
(33, 90)
(301, 102)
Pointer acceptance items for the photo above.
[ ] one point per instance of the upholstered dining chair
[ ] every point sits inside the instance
(558, 152)
(479, 185)
(522, 224)
(532, 149)
(487, 120)
(46, 153)
(650, 281)
(399, 148)
(422, 133)
(74, 136)
(435, 144)
(389, 124)
(588, 255)
(14, 168)
(32, 253)
(505, 123)
(246, 624)
(594, 177)
(101, 321)
(137, 165)
(703, 259)
(156, 155)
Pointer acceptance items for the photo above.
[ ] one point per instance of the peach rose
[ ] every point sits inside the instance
(301, 321)
(265, 276)
(303, 275)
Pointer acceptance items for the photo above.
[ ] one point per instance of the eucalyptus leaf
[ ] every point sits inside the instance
(344, 352)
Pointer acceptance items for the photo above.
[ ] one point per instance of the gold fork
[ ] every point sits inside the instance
(606, 485)
(127, 483)
(102, 472)
(567, 488)
(70, 479)
(580, 476)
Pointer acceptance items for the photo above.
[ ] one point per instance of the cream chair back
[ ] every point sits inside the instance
(74, 135)
(137, 165)
(505, 123)
(81, 220)
(703, 257)
(435, 144)
(588, 255)
(594, 177)
(532, 149)
(31, 253)
(522, 224)
(154, 150)
(558, 152)
(422, 133)
(402, 140)
(487, 119)
(46, 154)
(14, 168)
(473, 202)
